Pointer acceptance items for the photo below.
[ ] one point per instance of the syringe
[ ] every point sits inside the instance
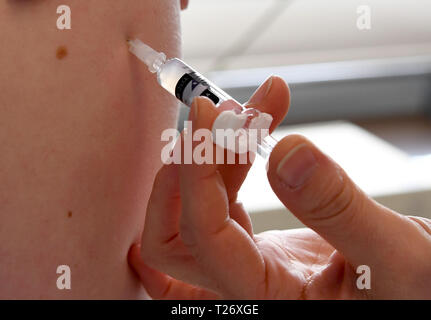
(185, 84)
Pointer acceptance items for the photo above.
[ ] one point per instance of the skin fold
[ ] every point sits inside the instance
(80, 125)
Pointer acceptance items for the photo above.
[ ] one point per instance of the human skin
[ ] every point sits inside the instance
(198, 241)
(79, 142)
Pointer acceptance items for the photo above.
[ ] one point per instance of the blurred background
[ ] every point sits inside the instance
(362, 95)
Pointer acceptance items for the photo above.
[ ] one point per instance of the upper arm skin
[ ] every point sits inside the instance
(79, 142)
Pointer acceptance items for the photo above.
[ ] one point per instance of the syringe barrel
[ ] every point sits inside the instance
(185, 83)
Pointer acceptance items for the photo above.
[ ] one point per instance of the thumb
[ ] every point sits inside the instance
(320, 194)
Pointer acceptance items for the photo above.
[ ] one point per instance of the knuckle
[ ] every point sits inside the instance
(424, 242)
(423, 223)
(340, 203)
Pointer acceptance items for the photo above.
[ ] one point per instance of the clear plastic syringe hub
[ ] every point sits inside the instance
(153, 59)
(185, 83)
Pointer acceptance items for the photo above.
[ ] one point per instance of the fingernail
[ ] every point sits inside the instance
(297, 166)
(261, 92)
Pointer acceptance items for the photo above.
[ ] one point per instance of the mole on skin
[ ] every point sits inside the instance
(69, 214)
(61, 52)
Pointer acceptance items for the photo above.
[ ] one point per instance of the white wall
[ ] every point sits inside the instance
(307, 31)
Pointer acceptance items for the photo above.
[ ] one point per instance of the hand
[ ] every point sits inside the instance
(198, 241)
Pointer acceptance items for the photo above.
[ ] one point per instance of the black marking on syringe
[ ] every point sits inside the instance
(195, 80)
(198, 77)
(181, 85)
(207, 93)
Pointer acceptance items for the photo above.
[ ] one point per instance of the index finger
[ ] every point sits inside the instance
(216, 241)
